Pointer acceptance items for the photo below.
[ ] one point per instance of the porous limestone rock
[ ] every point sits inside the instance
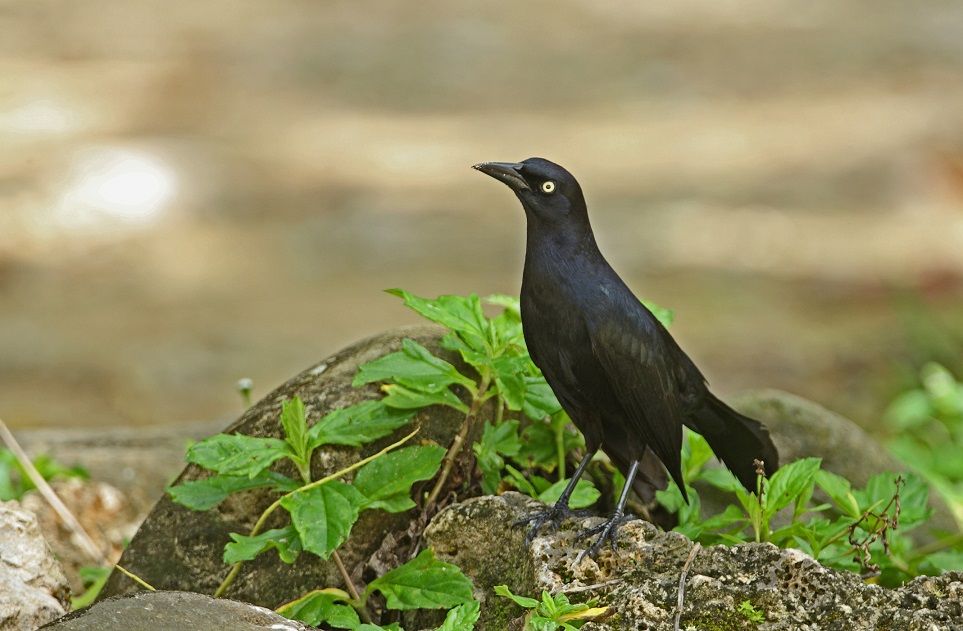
(174, 610)
(180, 549)
(639, 580)
(33, 588)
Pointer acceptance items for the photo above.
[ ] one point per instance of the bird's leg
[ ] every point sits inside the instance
(560, 510)
(609, 529)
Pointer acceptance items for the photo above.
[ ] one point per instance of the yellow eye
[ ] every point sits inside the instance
(548, 187)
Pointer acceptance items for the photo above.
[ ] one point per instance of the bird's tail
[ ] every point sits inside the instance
(737, 440)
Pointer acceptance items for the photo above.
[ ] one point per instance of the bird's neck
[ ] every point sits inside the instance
(552, 242)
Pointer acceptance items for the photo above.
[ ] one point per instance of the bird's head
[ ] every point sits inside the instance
(547, 191)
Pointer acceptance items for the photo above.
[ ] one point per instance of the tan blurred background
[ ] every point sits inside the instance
(194, 192)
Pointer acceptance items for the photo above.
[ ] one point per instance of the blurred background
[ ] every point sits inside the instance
(195, 192)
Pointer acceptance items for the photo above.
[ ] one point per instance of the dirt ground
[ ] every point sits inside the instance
(191, 193)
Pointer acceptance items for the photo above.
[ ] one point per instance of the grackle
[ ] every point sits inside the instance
(614, 368)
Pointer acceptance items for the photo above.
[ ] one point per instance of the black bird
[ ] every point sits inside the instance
(615, 369)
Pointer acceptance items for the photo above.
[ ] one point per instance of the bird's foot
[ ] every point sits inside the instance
(552, 516)
(606, 531)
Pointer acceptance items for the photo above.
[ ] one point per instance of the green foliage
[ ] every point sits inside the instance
(927, 426)
(323, 512)
(862, 530)
(94, 578)
(14, 481)
(750, 613)
(423, 583)
(552, 611)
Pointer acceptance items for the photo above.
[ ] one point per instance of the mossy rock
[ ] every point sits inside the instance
(180, 549)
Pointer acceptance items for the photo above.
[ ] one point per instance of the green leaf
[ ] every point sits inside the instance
(237, 454)
(386, 481)
(539, 399)
(511, 304)
(462, 314)
(696, 453)
(424, 583)
(414, 367)
(663, 315)
(521, 601)
(399, 396)
(209, 492)
(585, 493)
(510, 379)
(295, 426)
(244, 548)
(496, 441)
(788, 482)
(909, 410)
(462, 618)
(323, 606)
(839, 491)
(357, 424)
(94, 578)
(324, 515)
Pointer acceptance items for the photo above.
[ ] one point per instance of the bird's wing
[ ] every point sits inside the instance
(637, 357)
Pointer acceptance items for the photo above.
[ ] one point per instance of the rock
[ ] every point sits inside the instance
(174, 610)
(639, 580)
(801, 428)
(33, 589)
(180, 549)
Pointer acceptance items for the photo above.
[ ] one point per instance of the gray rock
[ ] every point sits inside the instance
(33, 588)
(180, 549)
(174, 611)
(639, 580)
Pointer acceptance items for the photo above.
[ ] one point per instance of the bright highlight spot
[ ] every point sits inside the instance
(116, 185)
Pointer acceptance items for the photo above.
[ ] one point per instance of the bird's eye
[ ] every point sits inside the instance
(548, 187)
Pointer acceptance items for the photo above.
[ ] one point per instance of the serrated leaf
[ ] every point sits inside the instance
(496, 441)
(386, 481)
(207, 493)
(324, 515)
(462, 618)
(414, 367)
(295, 426)
(424, 583)
(521, 601)
(585, 494)
(539, 400)
(788, 482)
(237, 454)
(398, 396)
(244, 548)
(462, 314)
(839, 491)
(357, 424)
(323, 605)
(510, 379)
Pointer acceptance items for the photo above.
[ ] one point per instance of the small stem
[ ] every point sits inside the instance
(456, 444)
(277, 503)
(135, 578)
(560, 450)
(362, 608)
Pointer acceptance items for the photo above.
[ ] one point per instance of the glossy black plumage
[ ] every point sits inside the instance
(615, 369)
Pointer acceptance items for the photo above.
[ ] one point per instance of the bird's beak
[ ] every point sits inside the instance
(507, 172)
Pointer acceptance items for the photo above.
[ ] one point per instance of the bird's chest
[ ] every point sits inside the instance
(555, 321)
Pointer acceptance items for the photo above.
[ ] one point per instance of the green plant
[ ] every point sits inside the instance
(862, 530)
(322, 512)
(14, 481)
(927, 426)
(553, 611)
(750, 613)
(94, 578)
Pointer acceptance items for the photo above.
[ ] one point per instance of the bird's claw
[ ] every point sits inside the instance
(606, 531)
(553, 516)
